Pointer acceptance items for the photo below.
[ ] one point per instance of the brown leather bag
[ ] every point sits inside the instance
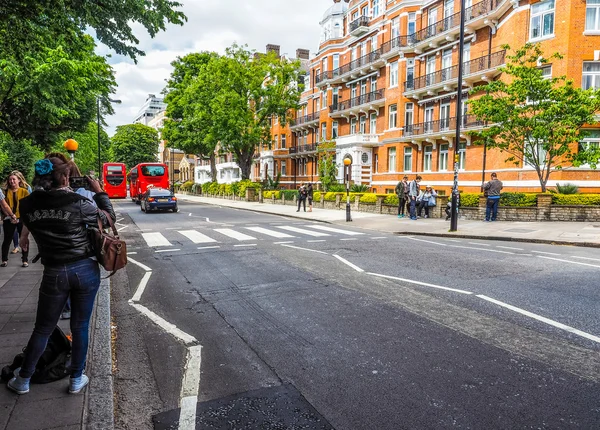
(111, 251)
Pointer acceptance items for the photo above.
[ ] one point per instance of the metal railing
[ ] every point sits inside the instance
(477, 65)
(303, 148)
(357, 101)
(361, 21)
(441, 125)
(311, 117)
(397, 42)
(363, 61)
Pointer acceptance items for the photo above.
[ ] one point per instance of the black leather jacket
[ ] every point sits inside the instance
(59, 220)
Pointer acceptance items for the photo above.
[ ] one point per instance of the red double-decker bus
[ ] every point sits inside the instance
(144, 175)
(113, 175)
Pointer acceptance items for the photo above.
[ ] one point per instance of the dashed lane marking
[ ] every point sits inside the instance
(271, 233)
(569, 261)
(346, 262)
(196, 237)
(424, 284)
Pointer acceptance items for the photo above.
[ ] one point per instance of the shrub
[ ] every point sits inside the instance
(197, 188)
(187, 186)
(245, 184)
(567, 189)
(359, 188)
(289, 194)
(469, 200)
(518, 199)
(213, 187)
(235, 188)
(336, 188)
(330, 196)
(369, 198)
(391, 199)
(576, 199)
(316, 196)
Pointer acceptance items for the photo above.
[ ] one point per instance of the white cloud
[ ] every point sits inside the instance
(212, 26)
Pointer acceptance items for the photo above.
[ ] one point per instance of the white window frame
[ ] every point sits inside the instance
(462, 156)
(394, 74)
(353, 125)
(376, 9)
(408, 153)
(427, 158)
(283, 168)
(539, 14)
(373, 123)
(392, 117)
(594, 75)
(362, 124)
(323, 131)
(334, 130)
(412, 22)
(391, 160)
(283, 142)
(593, 19)
(409, 114)
(592, 139)
(443, 160)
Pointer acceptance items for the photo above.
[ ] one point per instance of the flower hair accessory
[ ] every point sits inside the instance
(43, 167)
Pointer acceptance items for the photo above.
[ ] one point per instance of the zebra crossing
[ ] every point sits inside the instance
(242, 234)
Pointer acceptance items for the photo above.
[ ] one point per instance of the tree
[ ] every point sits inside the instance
(250, 89)
(327, 168)
(17, 155)
(135, 143)
(188, 118)
(537, 121)
(86, 156)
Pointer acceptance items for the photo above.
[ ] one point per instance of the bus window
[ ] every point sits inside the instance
(153, 170)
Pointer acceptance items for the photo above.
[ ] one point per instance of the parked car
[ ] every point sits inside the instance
(157, 199)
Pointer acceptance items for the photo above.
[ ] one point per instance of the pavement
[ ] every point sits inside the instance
(49, 406)
(563, 233)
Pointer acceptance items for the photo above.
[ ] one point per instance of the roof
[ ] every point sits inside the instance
(336, 9)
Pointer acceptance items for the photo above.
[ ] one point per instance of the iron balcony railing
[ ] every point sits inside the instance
(303, 148)
(441, 125)
(479, 9)
(397, 42)
(357, 101)
(363, 61)
(477, 65)
(361, 21)
(311, 117)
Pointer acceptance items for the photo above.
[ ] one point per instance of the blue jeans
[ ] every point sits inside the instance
(413, 208)
(491, 207)
(81, 280)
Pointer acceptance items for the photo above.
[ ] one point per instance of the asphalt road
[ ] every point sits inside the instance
(301, 326)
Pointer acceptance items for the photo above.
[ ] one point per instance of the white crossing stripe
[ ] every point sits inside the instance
(303, 231)
(268, 232)
(234, 234)
(196, 236)
(156, 239)
(334, 230)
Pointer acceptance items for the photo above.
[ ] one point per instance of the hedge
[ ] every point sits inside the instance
(518, 199)
(187, 186)
(576, 199)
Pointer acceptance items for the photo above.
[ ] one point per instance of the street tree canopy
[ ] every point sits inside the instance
(133, 144)
(86, 156)
(536, 120)
(327, 168)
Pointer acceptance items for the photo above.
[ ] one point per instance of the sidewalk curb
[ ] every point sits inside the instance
(500, 238)
(99, 403)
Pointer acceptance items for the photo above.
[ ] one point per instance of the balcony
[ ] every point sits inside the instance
(359, 26)
(361, 104)
(480, 69)
(303, 150)
(368, 62)
(392, 47)
(486, 12)
(441, 128)
(366, 140)
(304, 122)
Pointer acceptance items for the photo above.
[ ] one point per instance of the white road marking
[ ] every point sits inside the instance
(425, 284)
(190, 214)
(120, 219)
(302, 231)
(156, 239)
(542, 319)
(482, 249)
(122, 228)
(381, 237)
(587, 258)
(427, 241)
(271, 233)
(334, 230)
(142, 287)
(351, 238)
(234, 234)
(479, 244)
(196, 237)
(132, 253)
(207, 219)
(305, 249)
(189, 388)
(208, 247)
(343, 260)
(569, 261)
(546, 253)
(165, 325)
(137, 263)
(510, 247)
(316, 240)
(245, 244)
(281, 243)
(168, 250)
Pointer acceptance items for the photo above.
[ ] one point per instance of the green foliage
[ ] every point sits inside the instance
(469, 200)
(86, 156)
(517, 199)
(330, 196)
(567, 189)
(135, 143)
(272, 184)
(391, 199)
(289, 194)
(245, 184)
(327, 167)
(337, 188)
(369, 198)
(316, 196)
(197, 188)
(272, 194)
(359, 188)
(536, 121)
(211, 187)
(17, 155)
(576, 199)
(187, 186)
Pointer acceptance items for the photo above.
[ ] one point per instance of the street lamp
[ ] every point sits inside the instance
(459, 118)
(99, 160)
(347, 163)
(71, 146)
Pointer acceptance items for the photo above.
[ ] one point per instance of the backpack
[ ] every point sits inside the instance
(53, 365)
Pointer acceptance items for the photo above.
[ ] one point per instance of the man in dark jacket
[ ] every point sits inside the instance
(492, 190)
(402, 192)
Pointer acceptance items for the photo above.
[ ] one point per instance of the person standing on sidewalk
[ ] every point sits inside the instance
(413, 193)
(302, 197)
(23, 184)
(14, 194)
(58, 219)
(402, 189)
(492, 190)
(426, 200)
(309, 196)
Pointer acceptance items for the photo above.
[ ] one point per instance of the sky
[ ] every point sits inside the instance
(212, 25)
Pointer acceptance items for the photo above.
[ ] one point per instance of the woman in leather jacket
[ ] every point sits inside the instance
(58, 218)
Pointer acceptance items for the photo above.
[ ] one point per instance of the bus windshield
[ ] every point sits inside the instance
(153, 170)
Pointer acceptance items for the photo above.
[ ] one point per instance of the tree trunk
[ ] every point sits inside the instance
(213, 166)
(245, 163)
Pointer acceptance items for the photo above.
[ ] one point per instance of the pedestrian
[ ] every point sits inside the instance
(6, 210)
(426, 200)
(23, 184)
(58, 218)
(492, 191)
(14, 194)
(413, 193)
(309, 196)
(402, 189)
(302, 197)
(448, 209)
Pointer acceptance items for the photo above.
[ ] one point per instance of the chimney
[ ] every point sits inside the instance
(273, 48)
(302, 54)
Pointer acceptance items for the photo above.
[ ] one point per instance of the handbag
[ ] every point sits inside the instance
(111, 251)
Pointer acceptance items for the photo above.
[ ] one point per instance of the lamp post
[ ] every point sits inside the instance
(347, 163)
(71, 146)
(459, 118)
(99, 157)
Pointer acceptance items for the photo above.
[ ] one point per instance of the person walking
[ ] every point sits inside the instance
(402, 189)
(492, 191)
(448, 209)
(58, 219)
(413, 193)
(302, 197)
(14, 194)
(426, 200)
(309, 196)
(23, 184)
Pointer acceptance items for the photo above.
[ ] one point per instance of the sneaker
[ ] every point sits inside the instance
(399, 216)
(65, 315)
(19, 385)
(16, 250)
(78, 384)
(414, 219)
(426, 216)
